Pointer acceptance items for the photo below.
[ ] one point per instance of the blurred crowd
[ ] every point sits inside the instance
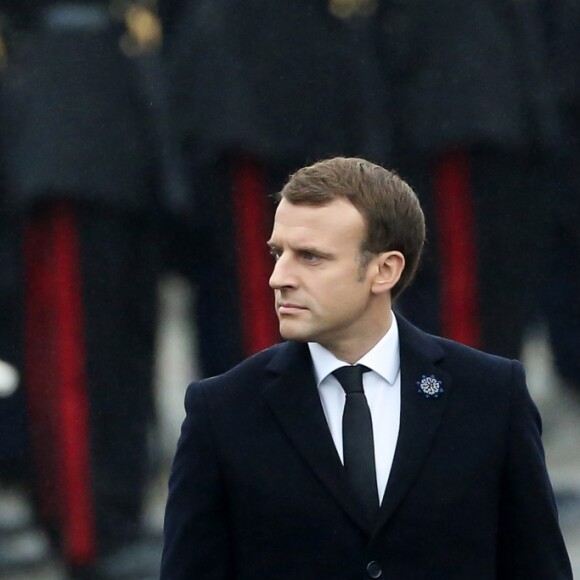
(140, 138)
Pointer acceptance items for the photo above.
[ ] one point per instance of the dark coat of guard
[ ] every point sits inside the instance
(258, 491)
(282, 82)
(468, 74)
(74, 121)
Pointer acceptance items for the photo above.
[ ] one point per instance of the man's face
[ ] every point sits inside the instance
(322, 293)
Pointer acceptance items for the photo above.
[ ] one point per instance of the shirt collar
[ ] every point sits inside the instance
(383, 358)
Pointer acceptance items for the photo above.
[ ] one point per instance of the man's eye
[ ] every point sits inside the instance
(309, 257)
(275, 254)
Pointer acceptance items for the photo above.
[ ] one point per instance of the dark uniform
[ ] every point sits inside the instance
(13, 432)
(561, 298)
(81, 177)
(260, 89)
(476, 124)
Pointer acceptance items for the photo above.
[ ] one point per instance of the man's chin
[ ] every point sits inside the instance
(290, 332)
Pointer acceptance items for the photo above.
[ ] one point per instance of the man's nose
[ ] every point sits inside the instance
(282, 276)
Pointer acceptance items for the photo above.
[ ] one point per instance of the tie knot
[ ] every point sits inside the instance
(350, 378)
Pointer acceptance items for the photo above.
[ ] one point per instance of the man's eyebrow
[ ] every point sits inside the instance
(314, 250)
(303, 249)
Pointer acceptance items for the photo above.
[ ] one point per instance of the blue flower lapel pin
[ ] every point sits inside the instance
(430, 387)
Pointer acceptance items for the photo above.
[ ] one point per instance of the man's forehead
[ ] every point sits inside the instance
(339, 211)
(323, 227)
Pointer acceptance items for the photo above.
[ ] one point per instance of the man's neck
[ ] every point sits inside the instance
(353, 349)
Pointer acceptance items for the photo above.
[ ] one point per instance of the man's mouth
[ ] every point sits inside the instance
(289, 308)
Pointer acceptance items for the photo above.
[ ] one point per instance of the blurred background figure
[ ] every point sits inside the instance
(561, 301)
(485, 113)
(12, 416)
(20, 542)
(82, 185)
(560, 292)
(477, 128)
(259, 89)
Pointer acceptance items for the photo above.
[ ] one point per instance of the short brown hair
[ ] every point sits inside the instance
(392, 212)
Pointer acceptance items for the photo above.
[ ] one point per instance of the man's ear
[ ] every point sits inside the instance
(389, 267)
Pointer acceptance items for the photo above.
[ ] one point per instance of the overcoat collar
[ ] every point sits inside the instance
(293, 397)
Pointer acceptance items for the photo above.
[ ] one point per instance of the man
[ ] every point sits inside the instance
(265, 483)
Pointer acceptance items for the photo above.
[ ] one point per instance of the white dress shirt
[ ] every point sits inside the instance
(382, 388)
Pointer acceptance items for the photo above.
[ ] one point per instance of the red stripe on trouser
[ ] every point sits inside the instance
(39, 364)
(252, 222)
(457, 248)
(56, 381)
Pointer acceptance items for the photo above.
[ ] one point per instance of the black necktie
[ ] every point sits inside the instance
(357, 438)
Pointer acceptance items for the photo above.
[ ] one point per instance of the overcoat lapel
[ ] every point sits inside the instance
(420, 416)
(293, 397)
